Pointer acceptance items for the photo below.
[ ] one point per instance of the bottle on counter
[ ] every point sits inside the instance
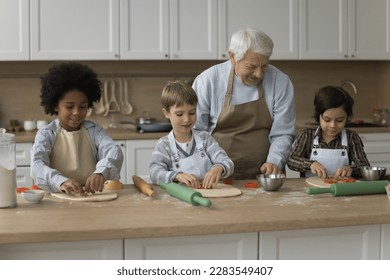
(7, 169)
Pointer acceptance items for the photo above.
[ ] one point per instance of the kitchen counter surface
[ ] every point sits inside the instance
(127, 134)
(135, 215)
(300, 124)
(116, 134)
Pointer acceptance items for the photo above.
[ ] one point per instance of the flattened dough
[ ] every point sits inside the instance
(90, 197)
(221, 190)
(318, 182)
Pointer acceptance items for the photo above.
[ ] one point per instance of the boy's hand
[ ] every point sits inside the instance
(212, 177)
(189, 180)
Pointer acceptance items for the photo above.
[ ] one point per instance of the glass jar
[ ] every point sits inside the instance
(7, 169)
(381, 116)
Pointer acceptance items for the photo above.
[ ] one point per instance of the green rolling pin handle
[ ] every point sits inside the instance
(201, 200)
(318, 190)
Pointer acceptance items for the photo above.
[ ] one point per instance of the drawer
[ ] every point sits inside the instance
(23, 154)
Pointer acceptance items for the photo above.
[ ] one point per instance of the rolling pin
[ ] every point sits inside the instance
(356, 188)
(186, 194)
(142, 185)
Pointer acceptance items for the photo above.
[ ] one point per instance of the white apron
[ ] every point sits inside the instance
(197, 163)
(73, 154)
(331, 159)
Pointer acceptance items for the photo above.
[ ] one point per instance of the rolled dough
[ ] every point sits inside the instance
(318, 182)
(220, 190)
(90, 197)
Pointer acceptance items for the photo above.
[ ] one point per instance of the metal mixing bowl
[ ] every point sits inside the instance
(271, 182)
(373, 173)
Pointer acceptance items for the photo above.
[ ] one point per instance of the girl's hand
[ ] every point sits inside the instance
(71, 186)
(318, 169)
(95, 183)
(189, 180)
(212, 177)
(344, 171)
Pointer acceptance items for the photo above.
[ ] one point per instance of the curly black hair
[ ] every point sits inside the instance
(64, 77)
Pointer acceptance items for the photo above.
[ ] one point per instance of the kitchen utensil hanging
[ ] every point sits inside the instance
(126, 107)
(112, 105)
(99, 107)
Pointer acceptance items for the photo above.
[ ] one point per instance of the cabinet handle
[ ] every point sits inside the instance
(166, 55)
(353, 56)
(345, 56)
(116, 55)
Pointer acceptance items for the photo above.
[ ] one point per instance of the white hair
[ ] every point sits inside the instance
(250, 39)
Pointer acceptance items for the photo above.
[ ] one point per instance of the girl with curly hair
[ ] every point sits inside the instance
(71, 154)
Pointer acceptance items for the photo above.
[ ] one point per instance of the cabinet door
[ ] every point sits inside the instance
(323, 29)
(377, 148)
(385, 248)
(74, 250)
(23, 177)
(369, 29)
(138, 155)
(238, 246)
(72, 29)
(144, 29)
(14, 30)
(277, 18)
(339, 243)
(193, 29)
(123, 178)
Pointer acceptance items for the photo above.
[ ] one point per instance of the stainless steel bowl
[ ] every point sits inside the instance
(373, 173)
(271, 182)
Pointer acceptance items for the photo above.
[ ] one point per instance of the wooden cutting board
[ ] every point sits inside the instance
(318, 182)
(89, 198)
(220, 190)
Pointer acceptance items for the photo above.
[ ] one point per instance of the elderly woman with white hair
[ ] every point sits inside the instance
(248, 106)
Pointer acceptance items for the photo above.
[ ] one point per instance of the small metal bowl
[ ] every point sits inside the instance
(271, 182)
(33, 196)
(373, 173)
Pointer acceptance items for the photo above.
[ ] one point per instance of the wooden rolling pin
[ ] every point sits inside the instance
(186, 194)
(142, 185)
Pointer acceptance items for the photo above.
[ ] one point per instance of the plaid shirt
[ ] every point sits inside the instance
(299, 159)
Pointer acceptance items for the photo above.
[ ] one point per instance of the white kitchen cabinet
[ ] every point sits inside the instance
(74, 30)
(23, 162)
(277, 18)
(385, 242)
(344, 29)
(122, 145)
(340, 243)
(138, 155)
(237, 246)
(377, 148)
(169, 29)
(74, 250)
(14, 30)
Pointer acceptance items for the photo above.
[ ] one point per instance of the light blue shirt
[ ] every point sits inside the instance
(109, 156)
(211, 86)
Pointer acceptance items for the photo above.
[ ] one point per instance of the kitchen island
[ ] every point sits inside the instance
(257, 224)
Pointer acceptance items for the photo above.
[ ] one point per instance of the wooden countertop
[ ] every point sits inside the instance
(116, 134)
(136, 215)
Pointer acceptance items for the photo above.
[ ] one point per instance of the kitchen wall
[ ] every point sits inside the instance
(20, 84)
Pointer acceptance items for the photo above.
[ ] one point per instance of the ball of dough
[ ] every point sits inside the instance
(113, 185)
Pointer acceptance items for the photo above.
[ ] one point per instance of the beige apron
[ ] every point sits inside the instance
(73, 154)
(243, 130)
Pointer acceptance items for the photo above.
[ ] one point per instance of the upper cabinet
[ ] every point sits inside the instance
(190, 30)
(73, 29)
(168, 29)
(14, 30)
(277, 18)
(345, 29)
